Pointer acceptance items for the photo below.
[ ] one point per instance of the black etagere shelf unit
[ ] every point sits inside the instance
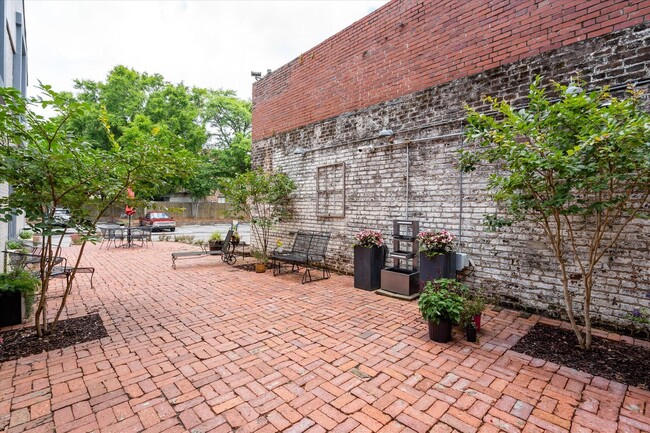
(403, 278)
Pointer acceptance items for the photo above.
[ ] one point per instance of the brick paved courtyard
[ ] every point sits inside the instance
(209, 348)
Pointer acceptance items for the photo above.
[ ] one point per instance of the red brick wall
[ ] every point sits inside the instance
(409, 45)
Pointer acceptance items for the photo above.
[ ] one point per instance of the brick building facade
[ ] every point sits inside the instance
(409, 67)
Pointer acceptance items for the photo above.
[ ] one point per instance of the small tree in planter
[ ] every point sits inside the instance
(436, 255)
(263, 198)
(369, 259)
(578, 167)
(441, 309)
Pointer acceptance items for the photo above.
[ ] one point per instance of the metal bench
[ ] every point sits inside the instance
(227, 252)
(32, 262)
(307, 252)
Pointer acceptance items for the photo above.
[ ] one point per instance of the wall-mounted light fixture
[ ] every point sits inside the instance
(386, 133)
(300, 151)
(256, 75)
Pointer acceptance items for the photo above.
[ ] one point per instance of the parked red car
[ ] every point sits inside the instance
(158, 221)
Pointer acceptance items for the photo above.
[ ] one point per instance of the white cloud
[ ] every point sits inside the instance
(202, 43)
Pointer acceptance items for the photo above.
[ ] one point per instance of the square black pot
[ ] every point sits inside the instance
(441, 266)
(368, 263)
(12, 308)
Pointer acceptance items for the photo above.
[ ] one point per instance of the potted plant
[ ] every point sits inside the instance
(474, 300)
(441, 309)
(470, 318)
(17, 290)
(25, 234)
(14, 245)
(279, 246)
(215, 242)
(235, 238)
(262, 259)
(437, 259)
(369, 259)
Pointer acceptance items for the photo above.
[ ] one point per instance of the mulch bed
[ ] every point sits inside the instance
(612, 360)
(18, 343)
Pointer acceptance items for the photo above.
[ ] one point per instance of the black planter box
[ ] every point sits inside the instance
(470, 331)
(215, 245)
(368, 263)
(403, 282)
(12, 308)
(441, 266)
(440, 332)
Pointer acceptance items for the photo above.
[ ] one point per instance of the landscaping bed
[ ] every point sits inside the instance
(18, 343)
(614, 360)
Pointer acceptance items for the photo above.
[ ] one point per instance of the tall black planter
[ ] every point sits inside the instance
(12, 308)
(441, 266)
(368, 263)
(440, 332)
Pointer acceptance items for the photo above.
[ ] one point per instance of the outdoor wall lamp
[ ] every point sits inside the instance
(386, 133)
(300, 151)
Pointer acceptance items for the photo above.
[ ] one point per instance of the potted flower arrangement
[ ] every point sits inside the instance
(215, 243)
(369, 259)
(17, 290)
(441, 309)
(470, 318)
(437, 259)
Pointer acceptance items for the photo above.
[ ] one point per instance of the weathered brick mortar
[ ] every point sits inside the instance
(515, 262)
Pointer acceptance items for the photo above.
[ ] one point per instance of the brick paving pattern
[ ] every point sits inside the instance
(209, 348)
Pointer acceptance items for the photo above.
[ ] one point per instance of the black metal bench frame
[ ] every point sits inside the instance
(24, 260)
(227, 252)
(307, 252)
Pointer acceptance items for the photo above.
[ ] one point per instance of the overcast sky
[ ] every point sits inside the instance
(204, 43)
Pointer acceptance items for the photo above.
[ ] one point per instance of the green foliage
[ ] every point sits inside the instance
(25, 234)
(440, 304)
(228, 117)
(13, 245)
(471, 307)
(216, 236)
(53, 166)
(135, 105)
(18, 281)
(578, 165)
(263, 198)
(217, 164)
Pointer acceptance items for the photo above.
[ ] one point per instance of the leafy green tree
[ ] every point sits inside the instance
(51, 165)
(135, 102)
(264, 198)
(578, 166)
(228, 117)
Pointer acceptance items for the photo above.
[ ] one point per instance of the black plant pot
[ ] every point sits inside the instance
(441, 266)
(440, 332)
(215, 245)
(368, 263)
(471, 332)
(12, 308)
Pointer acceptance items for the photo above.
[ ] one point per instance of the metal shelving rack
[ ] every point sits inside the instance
(403, 278)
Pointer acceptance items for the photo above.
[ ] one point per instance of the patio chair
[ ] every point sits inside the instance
(227, 252)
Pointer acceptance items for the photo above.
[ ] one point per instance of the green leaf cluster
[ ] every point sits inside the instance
(440, 304)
